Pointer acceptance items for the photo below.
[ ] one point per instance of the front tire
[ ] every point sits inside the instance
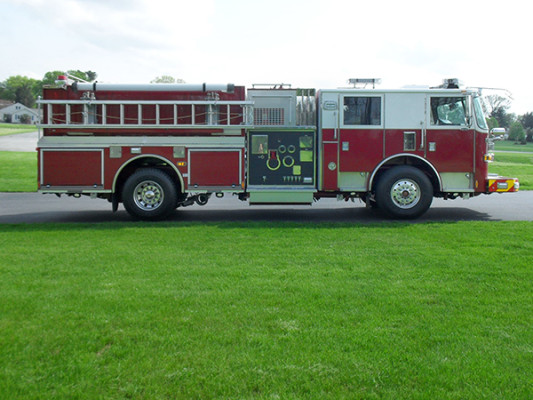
(149, 194)
(404, 192)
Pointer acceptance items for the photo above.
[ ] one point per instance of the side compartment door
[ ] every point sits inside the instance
(215, 169)
(69, 168)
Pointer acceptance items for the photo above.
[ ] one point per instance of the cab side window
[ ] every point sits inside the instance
(362, 111)
(448, 111)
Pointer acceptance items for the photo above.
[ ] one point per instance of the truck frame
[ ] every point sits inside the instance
(158, 147)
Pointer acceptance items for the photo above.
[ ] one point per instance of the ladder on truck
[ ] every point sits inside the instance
(96, 114)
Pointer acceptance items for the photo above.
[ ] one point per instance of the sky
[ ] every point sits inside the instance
(306, 43)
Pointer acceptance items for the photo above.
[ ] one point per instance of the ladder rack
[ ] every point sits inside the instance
(93, 114)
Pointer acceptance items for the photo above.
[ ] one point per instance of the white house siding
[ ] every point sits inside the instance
(16, 111)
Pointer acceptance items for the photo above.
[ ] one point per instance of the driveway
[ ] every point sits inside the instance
(19, 142)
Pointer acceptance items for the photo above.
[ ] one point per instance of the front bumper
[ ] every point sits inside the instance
(502, 184)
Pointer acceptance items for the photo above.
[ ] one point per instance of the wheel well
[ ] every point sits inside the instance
(409, 160)
(146, 162)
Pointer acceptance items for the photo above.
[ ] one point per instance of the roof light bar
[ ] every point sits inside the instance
(452, 83)
(364, 81)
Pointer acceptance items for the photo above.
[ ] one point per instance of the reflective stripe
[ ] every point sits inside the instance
(503, 185)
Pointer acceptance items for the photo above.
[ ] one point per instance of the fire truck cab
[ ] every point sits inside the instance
(158, 147)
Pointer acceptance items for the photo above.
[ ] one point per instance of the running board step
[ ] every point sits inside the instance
(281, 197)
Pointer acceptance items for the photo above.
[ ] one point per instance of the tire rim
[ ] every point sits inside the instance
(148, 195)
(405, 193)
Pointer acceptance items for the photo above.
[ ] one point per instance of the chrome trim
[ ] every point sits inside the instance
(72, 190)
(180, 177)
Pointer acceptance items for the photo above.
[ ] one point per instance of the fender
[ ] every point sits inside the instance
(180, 177)
(371, 180)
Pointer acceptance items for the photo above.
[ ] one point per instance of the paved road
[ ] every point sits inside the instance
(37, 208)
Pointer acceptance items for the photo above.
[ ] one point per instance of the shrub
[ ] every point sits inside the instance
(25, 119)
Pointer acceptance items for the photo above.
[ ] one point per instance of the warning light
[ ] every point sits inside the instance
(62, 81)
(489, 157)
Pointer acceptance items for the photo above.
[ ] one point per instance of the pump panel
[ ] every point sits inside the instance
(281, 158)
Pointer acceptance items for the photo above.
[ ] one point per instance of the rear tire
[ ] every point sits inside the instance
(149, 194)
(404, 192)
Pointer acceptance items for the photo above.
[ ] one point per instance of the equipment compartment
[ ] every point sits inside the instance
(281, 158)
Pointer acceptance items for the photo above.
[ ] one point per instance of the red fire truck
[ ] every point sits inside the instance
(158, 147)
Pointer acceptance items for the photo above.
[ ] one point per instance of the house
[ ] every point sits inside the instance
(14, 112)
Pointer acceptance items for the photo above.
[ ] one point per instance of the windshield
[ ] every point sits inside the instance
(480, 117)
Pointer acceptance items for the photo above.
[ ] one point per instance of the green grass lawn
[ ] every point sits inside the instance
(18, 171)
(516, 165)
(509, 145)
(266, 311)
(12, 129)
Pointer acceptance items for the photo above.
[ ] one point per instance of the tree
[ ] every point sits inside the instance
(24, 95)
(495, 101)
(527, 123)
(49, 79)
(20, 89)
(166, 79)
(497, 107)
(527, 120)
(492, 123)
(3, 91)
(504, 119)
(24, 90)
(517, 133)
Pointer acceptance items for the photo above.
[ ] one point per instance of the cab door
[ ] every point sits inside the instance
(450, 140)
(405, 114)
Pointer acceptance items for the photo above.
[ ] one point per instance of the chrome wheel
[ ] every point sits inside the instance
(148, 195)
(405, 193)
